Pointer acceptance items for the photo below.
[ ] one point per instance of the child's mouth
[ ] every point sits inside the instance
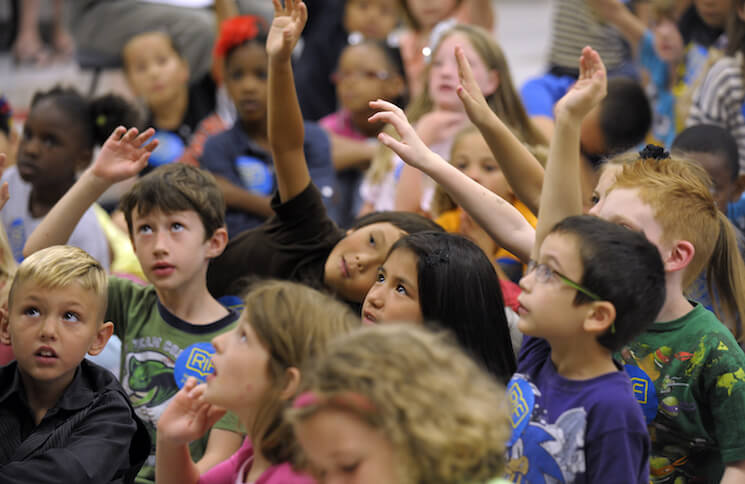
(45, 354)
(344, 268)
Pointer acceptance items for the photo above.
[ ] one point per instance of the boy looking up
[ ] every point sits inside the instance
(176, 221)
(63, 418)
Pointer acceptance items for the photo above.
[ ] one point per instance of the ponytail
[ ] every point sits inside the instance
(725, 279)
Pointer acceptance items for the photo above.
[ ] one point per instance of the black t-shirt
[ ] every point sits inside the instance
(292, 245)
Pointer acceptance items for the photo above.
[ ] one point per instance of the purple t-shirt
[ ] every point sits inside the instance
(573, 431)
(227, 472)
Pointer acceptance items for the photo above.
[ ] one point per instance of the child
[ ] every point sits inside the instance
(8, 135)
(175, 216)
(257, 369)
(362, 418)
(438, 115)
(58, 139)
(239, 157)
(721, 95)
(368, 70)
(63, 419)
(444, 279)
(157, 73)
(300, 242)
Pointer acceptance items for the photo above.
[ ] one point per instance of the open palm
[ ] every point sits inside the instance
(286, 28)
(124, 154)
(590, 88)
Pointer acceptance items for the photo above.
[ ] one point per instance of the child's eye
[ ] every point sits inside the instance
(261, 74)
(372, 240)
(380, 278)
(50, 141)
(31, 311)
(145, 229)
(177, 227)
(350, 468)
(595, 198)
(401, 290)
(71, 316)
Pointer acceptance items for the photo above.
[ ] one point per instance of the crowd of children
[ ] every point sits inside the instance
(427, 276)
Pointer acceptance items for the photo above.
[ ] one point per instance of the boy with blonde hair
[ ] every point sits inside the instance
(176, 221)
(61, 416)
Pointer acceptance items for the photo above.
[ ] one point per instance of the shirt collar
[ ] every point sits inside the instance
(78, 393)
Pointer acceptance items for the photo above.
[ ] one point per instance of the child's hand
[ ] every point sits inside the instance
(4, 195)
(438, 126)
(286, 28)
(469, 92)
(410, 148)
(588, 91)
(123, 154)
(188, 417)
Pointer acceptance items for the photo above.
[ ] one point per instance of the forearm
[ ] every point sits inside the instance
(286, 131)
(62, 219)
(561, 195)
(734, 473)
(238, 198)
(409, 190)
(347, 153)
(497, 217)
(630, 26)
(173, 464)
(523, 172)
(220, 446)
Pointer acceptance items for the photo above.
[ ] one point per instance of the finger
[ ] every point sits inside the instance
(151, 146)
(199, 390)
(392, 143)
(390, 118)
(303, 14)
(130, 135)
(142, 138)
(215, 413)
(465, 73)
(277, 8)
(117, 134)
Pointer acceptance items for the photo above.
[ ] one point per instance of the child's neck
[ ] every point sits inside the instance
(42, 199)
(192, 302)
(257, 131)
(362, 125)
(169, 115)
(676, 304)
(581, 358)
(42, 396)
(260, 463)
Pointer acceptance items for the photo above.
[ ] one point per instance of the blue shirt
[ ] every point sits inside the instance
(541, 93)
(573, 431)
(233, 155)
(659, 91)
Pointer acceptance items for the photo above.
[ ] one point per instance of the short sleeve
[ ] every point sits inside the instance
(216, 157)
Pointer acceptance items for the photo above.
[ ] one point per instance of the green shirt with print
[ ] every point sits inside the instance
(152, 339)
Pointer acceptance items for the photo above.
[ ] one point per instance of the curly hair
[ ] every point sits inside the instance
(447, 420)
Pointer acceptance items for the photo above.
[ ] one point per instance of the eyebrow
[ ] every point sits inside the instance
(550, 258)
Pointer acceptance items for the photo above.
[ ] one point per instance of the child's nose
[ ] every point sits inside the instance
(48, 330)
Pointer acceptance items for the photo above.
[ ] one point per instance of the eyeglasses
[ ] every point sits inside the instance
(370, 75)
(543, 274)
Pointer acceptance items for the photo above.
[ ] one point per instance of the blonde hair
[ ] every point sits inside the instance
(447, 419)
(294, 323)
(505, 101)
(61, 266)
(678, 191)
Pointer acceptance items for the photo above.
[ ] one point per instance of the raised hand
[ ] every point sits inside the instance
(286, 28)
(469, 92)
(410, 147)
(187, 417)
(124, 154)
(588, 91)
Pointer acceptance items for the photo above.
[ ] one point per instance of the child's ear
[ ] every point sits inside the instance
(681, 254)
(4, 326)
(102, 337)
(217, 242)
(600, 317)
(292, 382)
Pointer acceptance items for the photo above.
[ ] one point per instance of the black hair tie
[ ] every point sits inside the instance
(654, 152)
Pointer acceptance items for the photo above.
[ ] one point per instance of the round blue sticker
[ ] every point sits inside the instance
(522, 401)
(644, 391)
(170, 147)
(195, 360)
(256, 175)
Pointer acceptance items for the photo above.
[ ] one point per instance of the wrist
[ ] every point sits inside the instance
(94, 182)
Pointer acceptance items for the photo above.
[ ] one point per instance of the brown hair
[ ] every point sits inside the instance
(294, 323)
(409, 18)
(447, 420)
(173, 188)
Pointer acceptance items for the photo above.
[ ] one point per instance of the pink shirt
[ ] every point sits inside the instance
(229, 471)
(340, 122)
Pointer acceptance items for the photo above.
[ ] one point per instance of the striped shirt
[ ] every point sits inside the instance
(719, 100)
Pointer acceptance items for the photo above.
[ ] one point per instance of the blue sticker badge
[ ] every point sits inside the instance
(170, 147)
(522, 400)
(644, 391)
(256, 175)
(196, 361)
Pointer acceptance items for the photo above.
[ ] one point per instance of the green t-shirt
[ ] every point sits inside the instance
(696, 368)
(152, 339)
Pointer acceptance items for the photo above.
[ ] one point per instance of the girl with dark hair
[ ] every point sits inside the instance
(445, 280)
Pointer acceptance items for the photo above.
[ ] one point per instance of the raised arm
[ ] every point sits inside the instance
(561, 196)
(285, 119)
(122, 156)
(523, 172)
(617, 14)
(501, 220)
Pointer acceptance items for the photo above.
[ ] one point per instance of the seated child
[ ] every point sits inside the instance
(367, 71)
(300, 242)
(239, 157)
(361, 417)
(63, 419)
(445, 280)
(158, 74)
(258, 367)
(58, 139)
(176, 217)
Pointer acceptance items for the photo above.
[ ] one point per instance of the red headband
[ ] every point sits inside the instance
(236, 31)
